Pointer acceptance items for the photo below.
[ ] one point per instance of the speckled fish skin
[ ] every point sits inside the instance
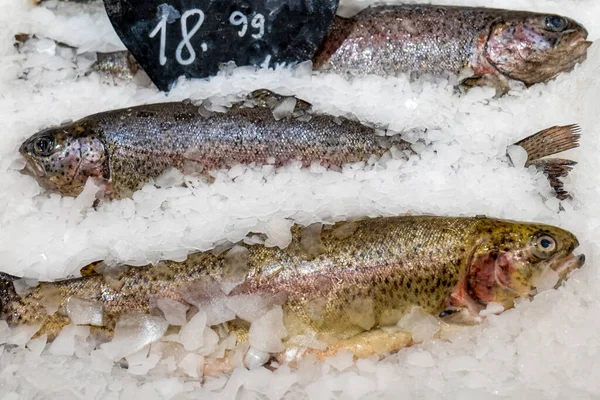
(431, 39)
(358, 276)
(120, 64)
(124, 149)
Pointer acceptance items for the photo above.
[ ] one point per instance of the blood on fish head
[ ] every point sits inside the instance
(534, 48)
(62, 158)
(517, 260)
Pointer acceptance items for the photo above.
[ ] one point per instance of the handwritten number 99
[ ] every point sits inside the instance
(236, 18)
(258, 22)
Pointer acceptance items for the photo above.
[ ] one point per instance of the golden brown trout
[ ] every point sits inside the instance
(345, 285)
(124, 149)
(495, 45)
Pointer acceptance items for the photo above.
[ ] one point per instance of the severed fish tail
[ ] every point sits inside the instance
(550, 141)
(546, 143)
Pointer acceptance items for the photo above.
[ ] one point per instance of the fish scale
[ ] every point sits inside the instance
(385, 40)
(160, 136)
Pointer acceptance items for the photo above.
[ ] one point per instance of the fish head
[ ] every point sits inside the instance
(535, 48)
(62, 158)
(518, 260)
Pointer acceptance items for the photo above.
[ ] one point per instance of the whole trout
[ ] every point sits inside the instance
(124, 149)
(341, 284)
(497, 45)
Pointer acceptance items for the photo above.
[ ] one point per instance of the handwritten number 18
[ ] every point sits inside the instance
(187, 36)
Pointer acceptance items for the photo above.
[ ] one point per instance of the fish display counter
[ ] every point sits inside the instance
(406, 205)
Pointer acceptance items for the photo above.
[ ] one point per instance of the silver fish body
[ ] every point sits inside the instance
(497, 45)
(126, 148)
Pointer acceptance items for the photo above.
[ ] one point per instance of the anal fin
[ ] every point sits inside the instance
(380, 341)
(497, 82)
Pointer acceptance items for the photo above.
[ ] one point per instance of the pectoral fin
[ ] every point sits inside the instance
(90, 269)
(497, 82)
(459, 316)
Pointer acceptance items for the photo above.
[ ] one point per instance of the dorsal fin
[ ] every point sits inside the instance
(90, 269)
(270, 99)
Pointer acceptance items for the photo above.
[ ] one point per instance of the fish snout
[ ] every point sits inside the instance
(568, 265)
(32, 167)
(578, 39)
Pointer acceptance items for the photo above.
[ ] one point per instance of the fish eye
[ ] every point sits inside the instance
(556, 23)
(544, 246)
(43, 146)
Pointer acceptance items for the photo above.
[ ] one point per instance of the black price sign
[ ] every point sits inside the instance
(195, 37)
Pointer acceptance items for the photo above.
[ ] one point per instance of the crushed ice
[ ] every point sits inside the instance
(544, 348)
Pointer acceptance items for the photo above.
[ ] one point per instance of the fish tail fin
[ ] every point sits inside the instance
(554, 169)
(550, 141)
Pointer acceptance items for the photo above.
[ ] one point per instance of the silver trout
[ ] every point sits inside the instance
(497, 45)
(343, 285)
(124, 149)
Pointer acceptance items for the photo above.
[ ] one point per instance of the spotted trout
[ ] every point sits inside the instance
(496, 45)
(345, 285)
(124, 149)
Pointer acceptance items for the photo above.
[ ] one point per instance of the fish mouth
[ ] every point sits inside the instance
(33, 168)
(580, 46)
(556, 271)
(577, 43)
(571, 52)
(581, 42)
(565, 265)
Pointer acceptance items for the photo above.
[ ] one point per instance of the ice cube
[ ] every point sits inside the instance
(310, 240)
(420, 324)
(267, 331)
(420, 359)
(191, 335)
(133, 332)
(84, 312)
(518, 156)
(278, 232)
(285, 108)
(235, 268)
(64, 344)
(255, 358)
(174, 311)
(192, 365)
(251, 306)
